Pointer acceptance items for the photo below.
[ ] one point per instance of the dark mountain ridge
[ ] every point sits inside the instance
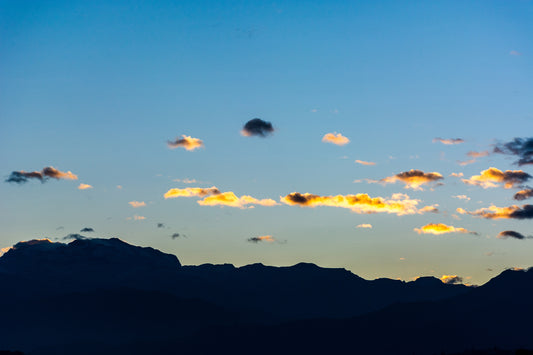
(105, 291)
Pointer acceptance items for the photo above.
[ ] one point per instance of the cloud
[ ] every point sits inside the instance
(160, 225)
(516, 53)
(257, 127)
(119, 187)
(449, 141)
(87, 229)
(474, 156)
(399, 204)
(492, 176)
(213, 197)
(187, 142)
(4, 250)
(364, 162)
(364, 225)
(136, 218)
(511, 234)
(262, 238)
(186, 181)
(192, 191)
(84, 187)
(493, 212)
(462, 197)
(74, 236)
(21, 177)
(457, 174)
(520, 147)
(523, 194)
(441, 228)
(178, 235)
(451, 279)
(136, 204)
(335, 138)
(412, 179)
(231, 200)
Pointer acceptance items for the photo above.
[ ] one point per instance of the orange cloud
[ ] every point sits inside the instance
(399, 204)
(493, 212)
(192, 191)
(364, 162)
(364, 225)
(136, 204)
(523, 194)
(213, 197)
(457, 174)
(231, 200)
(262, 238)
(4, 250)
(493, 176)
(84, 187)
(440, 228)
(21, 177)
(449, 141)
(474, 156)
(412, 179)
(451, 279)
(335, 138)
(136, 218)
(187, 142)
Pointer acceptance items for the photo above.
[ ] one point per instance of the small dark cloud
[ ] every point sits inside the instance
(520, 147)
(511, 234)
(523, 194)
(21, 177)
(299, 199)
(526, 212)
(60, 228)
(87, 229)
(74, 236)
(257, 127)
(161, 225)
(178, 235)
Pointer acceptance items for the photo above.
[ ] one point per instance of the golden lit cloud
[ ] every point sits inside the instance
(84, 187)
(262, 238)
(457, 174)
(364, 225)
(412, 179)
(440, 228)
(462, 197)
(364, 162)
(213, 197)
(335, 138)
(493, 176)
(136, 204)
(21, 177)
(231, 200)
(523, 194)
(451, 279)
(399, 204)
(4, 250)
(191, 191)
(449, 141)
(187, 142)
(494, 212)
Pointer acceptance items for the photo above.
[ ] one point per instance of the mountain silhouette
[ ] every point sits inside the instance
(107, 296)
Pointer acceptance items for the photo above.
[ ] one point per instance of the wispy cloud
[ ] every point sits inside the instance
(520, 147)
(364, 225)
(448, 141)
(511, 234)
(87, 229)
(494, 212)
(457, 174)
(493, 176)
(257, 127)
(462, 197)
(335, 138)
(362, 162)
(187, 142)
(441, 228)
(262, 238)
(84, 187)
(213, 197)
(523, 194)
(136, 218)
(413, 179)
(186, 181)
(399, 204)
(451, 279)
(21, 177)
(136, 204)
(473, 157)
(515, 53)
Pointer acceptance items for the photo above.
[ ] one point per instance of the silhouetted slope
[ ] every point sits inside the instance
(100, 294)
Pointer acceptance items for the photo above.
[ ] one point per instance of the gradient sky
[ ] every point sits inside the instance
(99, 89)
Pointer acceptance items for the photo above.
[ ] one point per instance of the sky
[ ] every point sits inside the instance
(388, 138)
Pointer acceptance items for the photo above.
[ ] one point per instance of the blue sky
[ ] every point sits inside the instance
(99, 89)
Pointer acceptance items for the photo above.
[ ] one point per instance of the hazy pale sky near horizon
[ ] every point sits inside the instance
(100, 88)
